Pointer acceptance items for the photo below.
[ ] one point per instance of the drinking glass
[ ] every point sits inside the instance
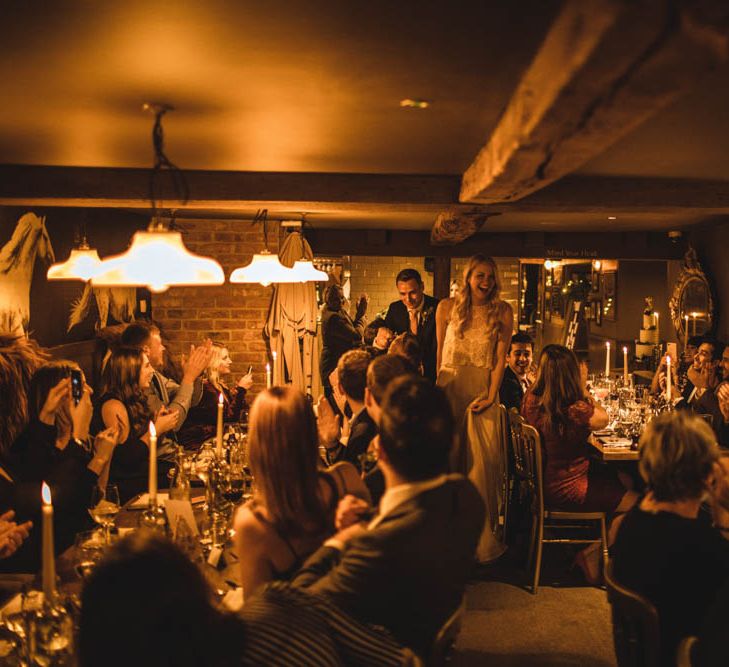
(88, 551)
(104, 507)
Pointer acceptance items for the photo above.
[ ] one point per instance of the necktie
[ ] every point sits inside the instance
(413, 322)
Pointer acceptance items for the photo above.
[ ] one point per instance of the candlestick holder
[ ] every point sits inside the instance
(50, 635)
(154, 518)
(217, 471)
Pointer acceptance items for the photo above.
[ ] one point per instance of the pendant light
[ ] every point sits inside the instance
(82, 264)
(157, 258)
(307, 272)
(265, 267)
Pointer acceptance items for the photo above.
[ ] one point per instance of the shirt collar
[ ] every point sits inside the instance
(401, 493)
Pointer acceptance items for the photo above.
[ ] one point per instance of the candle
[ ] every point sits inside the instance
(658, 335)
(268, 376)
(274, 354)
(49, 558)
(625, 366)
(607, 359)
(668, 378)
(152, 464)
(219, 430)
(686, 333)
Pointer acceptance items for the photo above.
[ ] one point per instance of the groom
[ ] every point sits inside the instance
(415, 313)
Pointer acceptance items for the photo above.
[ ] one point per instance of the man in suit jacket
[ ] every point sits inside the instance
(407, 569)
(415, 313)
(515, 382)
(350, 390)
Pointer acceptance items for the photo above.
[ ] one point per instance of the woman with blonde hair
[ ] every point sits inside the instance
(473, 332)
(666, 548)
(292, 511)
(201, 418)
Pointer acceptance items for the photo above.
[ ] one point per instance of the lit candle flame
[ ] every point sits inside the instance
(152, 430)
(625, 350)
(220, 398)
(46, 494)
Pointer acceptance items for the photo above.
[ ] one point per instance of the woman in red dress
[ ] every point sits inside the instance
(560, 408)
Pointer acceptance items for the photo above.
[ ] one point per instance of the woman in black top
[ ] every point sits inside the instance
(53, 448)
(666, 548)
(124, 406)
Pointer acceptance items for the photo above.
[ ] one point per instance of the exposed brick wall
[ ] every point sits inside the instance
(232, 314)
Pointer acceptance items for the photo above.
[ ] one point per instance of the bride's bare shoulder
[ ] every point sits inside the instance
(445, 306)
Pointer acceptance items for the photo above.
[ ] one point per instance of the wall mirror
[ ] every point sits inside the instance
(692, 305)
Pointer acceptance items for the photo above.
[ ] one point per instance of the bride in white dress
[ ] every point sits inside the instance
(473, 331)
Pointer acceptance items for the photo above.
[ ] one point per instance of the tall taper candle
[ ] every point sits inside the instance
(268, 376)
(49, 557)
(686, 333)
(668, 378)
(219, 429)
(274, 354)
(607, 359)
(152, 464)
(625, 366)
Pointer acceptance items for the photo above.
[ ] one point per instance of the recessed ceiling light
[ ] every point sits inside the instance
(407, 103)
(612, 217)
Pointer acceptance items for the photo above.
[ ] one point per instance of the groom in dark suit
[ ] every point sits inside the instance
(415, 313)
(407, 569)
(515, 382)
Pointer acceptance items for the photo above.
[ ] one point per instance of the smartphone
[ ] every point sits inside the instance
(77, 386)
(250, 369)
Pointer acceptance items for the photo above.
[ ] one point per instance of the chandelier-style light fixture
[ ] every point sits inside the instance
(157, 258)
(82, 264)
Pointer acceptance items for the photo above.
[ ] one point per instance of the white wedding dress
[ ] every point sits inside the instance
(464, 375)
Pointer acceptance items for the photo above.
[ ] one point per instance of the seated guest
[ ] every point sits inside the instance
(162, 391)
(407, 569)
(381, 371)
(122, 404)
(339, 332)
(702, 375)
(348, 393)
(516, 381)
(665, 550)
(202, 418)
(20, 357)
(147, 587)
(715, 402)
(292, 511)
(52, 448)
(408, 346)
(558, 406)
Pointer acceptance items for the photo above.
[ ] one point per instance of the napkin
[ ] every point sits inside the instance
(616, 442)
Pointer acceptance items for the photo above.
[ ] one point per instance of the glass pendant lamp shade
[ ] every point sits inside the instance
(82, 264)
(306, 271)
(265, 268)
(158, 259)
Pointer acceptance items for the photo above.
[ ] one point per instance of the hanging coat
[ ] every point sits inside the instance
(291, 326)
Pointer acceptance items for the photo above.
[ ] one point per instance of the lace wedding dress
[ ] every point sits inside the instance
(464, 375)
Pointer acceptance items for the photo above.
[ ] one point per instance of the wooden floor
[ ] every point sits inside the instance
(566, 623)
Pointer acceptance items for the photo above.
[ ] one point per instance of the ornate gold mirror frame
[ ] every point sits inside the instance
(691, 272)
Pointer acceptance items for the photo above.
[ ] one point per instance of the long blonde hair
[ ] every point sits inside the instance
(212, 372)
(462, 311)
(284, 455)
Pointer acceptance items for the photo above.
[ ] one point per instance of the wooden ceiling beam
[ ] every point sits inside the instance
(454, 226)
(604, 67)
(129, 188)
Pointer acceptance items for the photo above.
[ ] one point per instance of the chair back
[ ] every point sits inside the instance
(635, 625)
(505, 469)
(446, 637)
(527, 449)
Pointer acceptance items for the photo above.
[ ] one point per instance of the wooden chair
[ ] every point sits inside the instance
(442, 649)
(506, 480)
(527, 449)
(635, 625)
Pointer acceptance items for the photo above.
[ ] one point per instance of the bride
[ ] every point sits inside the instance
(473, 331)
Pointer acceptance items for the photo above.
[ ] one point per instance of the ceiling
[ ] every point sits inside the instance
(315, 86)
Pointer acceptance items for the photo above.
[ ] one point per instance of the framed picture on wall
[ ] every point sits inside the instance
(609, 295)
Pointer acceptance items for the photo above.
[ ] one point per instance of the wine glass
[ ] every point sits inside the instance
(104, 507)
